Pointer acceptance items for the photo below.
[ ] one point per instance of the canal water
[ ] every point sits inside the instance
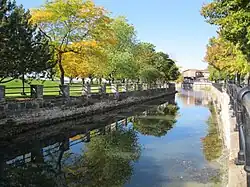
(167, 142)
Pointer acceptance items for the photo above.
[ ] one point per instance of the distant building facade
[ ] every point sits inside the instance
(195, 74)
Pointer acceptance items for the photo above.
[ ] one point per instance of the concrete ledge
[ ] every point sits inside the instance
(236, 176)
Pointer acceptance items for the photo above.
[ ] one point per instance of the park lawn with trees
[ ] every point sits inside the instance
(75, 39)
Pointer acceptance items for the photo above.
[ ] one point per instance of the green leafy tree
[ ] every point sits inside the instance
(121, 58)
(154, 66)
(166, 66)
(23, 48)
(145, 56)
(232, 18)
(216, 75)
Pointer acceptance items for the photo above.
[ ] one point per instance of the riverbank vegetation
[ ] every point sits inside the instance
(76, 39)
(228, 54)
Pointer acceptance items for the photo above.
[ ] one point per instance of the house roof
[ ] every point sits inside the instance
(191, 70)
(205, 70)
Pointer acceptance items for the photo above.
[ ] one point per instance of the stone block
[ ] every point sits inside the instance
(29, 105)
(22, 106)
(140, 87)
(12, 106)
(65, 90)
(2, 93)
(36, 91)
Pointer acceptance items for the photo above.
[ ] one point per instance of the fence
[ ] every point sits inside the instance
(240, 103)
(39, 91)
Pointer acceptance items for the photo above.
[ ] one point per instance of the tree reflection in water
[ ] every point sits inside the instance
(157, 122)
(29, 175)
(212, 143)
(107, 161)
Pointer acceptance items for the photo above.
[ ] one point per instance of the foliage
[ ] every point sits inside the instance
(215, 74)
(225, 56)
(180, 79)
(157, 122)
(121, 63)
(23, 48)
(166, 66)
(71, 25)
(77, 39)
(154, 65)
(233, 20)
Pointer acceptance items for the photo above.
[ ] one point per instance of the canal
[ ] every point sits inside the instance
(171, 141)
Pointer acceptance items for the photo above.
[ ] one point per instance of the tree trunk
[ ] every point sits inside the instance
(61, 69)
(100, 80)
(83, 81)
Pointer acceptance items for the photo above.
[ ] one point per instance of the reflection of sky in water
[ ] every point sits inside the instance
(176, 158)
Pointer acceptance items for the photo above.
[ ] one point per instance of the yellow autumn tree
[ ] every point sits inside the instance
(74, 27)
(225, 56)
(91, 62)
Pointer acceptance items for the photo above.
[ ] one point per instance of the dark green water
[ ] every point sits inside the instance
(168, 142)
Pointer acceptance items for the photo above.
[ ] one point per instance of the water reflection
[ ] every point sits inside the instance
(156, 122)
(212, 143)
(198, 98)
(121, 148)
(105, 160)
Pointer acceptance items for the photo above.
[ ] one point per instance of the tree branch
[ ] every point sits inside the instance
(45, 34)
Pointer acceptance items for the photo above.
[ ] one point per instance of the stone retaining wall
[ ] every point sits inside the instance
(236, 176)
(9, 108)
(18, 123)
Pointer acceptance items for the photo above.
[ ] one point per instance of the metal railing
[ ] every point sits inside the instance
(240, 105)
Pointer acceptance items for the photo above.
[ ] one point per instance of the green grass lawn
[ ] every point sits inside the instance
(51, 88)
(14, 88)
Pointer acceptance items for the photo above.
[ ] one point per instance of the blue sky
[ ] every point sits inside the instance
(173, 26)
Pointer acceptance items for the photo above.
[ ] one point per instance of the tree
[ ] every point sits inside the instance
(23, 48)
(121, 64)
(91, 62)
(225, 56)
(166, 66)
(70, 24)
(145, 56)
(217, 75)
(232, 18)
(154, 65)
